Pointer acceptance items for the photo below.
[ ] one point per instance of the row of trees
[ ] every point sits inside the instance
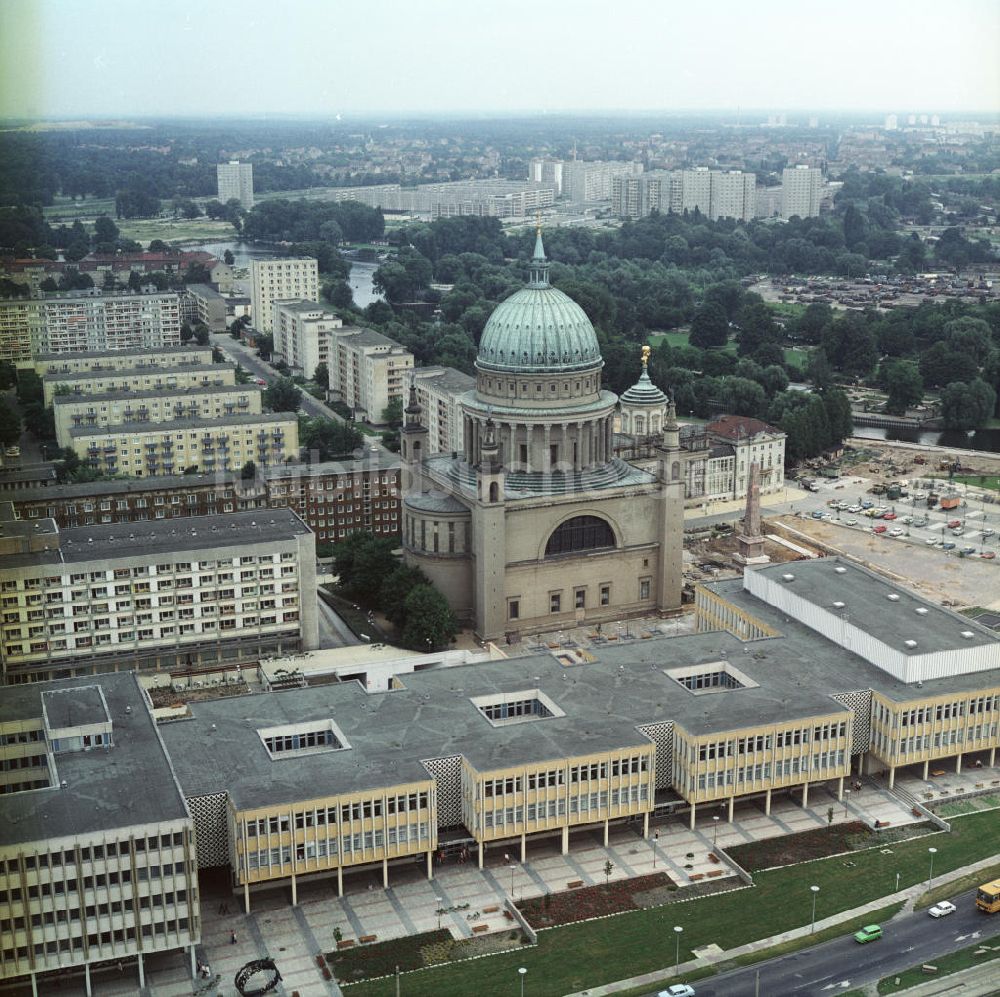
(369, 572)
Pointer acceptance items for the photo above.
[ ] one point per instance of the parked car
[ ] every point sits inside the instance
(968, 550)
(920, 523)
(958, 533)
(851, 522)
(896, 532)
(854, 508)
(987, 555)
(942, 909)
(889, 515)
(954, 524)
(880, 529)
(869, 933)
(948, 546)
(986, 533)
(932, 541)
(677, 990)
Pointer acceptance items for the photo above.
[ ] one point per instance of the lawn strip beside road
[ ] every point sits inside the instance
(958, 885)
(953, 962)
(584, 955)
(881, 916)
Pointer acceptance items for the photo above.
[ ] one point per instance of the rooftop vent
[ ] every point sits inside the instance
(892, 597)
(840, 569)
(788, 577)
(968, 634)
(922, 610)
(910, 643)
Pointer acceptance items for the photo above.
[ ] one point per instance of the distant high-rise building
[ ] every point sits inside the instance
(891, 122)
(546, 171)
(715, 193)
(814, 122)
(802, 190)
(591, 181)
(733, 195)
(235, 181)
(911, 119)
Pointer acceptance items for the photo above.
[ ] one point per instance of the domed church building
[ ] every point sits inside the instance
(537, 525)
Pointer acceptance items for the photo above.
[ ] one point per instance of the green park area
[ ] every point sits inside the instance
(145, 230)
(991, 481)
(582, 955)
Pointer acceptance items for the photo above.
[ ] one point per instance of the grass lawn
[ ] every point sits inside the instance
(679, 337)
(991, 481)
(68, 210)
(958, 885)
(946, 965)
(144, 230)
(584, 955)
(796, 359)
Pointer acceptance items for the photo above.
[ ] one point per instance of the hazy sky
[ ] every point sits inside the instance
(323, 57)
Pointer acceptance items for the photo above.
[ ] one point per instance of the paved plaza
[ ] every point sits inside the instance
(293, 936)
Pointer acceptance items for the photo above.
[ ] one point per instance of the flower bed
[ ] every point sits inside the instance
(821, 843)
(591, 901)
(430, 948)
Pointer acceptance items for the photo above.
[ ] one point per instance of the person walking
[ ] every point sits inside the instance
(232, 937)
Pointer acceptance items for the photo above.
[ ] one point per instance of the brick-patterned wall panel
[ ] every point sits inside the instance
(662, 735)
(447, 774)
(211, 829)
(860, 702)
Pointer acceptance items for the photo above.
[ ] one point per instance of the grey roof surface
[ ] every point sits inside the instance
(120, 486)
(434, 502)
(169, 396)
(202, 291)
(130, 783)
(304, 305)
(867, 604)
(122, 540)
(171, 425)
(368, 337)
(604, 702)
(57, 377)
(447, 378)
(373, 460)
(8, 474)
(75, 707)
(142, 351)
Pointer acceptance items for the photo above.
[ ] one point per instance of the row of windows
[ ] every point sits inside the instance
(347, 845)
(362, 810)
(762, 770)
(301, 741)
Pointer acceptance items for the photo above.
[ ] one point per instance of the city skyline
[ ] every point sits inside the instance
(81, 60)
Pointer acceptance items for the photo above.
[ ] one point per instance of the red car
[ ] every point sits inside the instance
(987, 555)
(880, 529)
(889, 515)
(954, 524)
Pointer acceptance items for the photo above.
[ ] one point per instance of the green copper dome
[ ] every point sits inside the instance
(538, 329)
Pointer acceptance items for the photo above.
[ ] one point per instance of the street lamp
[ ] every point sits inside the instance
(897, 882)
(440, 900)
(656, 838)
(815, 890)
(508, 860)
(715, 835)
(930, 874)
(847, 799)
(522, 972)
(678, 931)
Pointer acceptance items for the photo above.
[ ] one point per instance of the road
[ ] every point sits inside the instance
(248, 359)
(842, 964)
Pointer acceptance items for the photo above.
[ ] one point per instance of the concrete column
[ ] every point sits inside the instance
(34, 986)
(565, 839)
(246, 898)
(524, 848)
(958, 763)
(430, 863)
(645, 824)
(805, 794)
(993, 755)
(892, 776)
(605, 833)
(694, 810)
(481, 850)
(547, 442)
(927, 766)
(385, 874)
(567, 448)
(194, 964)
(732, 803)
(840, 790)
(295, 896)
(767, 804)
(86, 979)
(340, 880)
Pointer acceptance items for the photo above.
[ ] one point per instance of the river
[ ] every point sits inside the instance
(360, 277)
(982, 439)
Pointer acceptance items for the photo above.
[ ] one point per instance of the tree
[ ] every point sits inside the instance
(228, 258)
(709, 327)
(756, 325)
(105, 230)
(10, 425)
(392, 414)
(283, 396)
(321, 376)
(186, 332)
(970, 336)
(339, 294)
(940, 364)
(362, 562)
(395, 588)
(903, 383)
(201, 334)
(327, 438)
(29, 388)
(430, 623)
(829, 817)
(249, 471)
(967, 406)
(608, 869)
(134, 281)
(265, 345)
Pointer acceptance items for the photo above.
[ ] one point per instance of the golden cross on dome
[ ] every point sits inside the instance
(646, 351)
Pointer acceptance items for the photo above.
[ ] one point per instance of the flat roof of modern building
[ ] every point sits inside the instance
(101, 789)
(303, 305)
(173, 425)
(77, 706)
(10, 475)
(145, 394)
(363, 336)
(203, 291)
(371, 461)
(890, 613)
(122, 486)
(107, 541)
(57, 377)
(446, 378)
(144, 351)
